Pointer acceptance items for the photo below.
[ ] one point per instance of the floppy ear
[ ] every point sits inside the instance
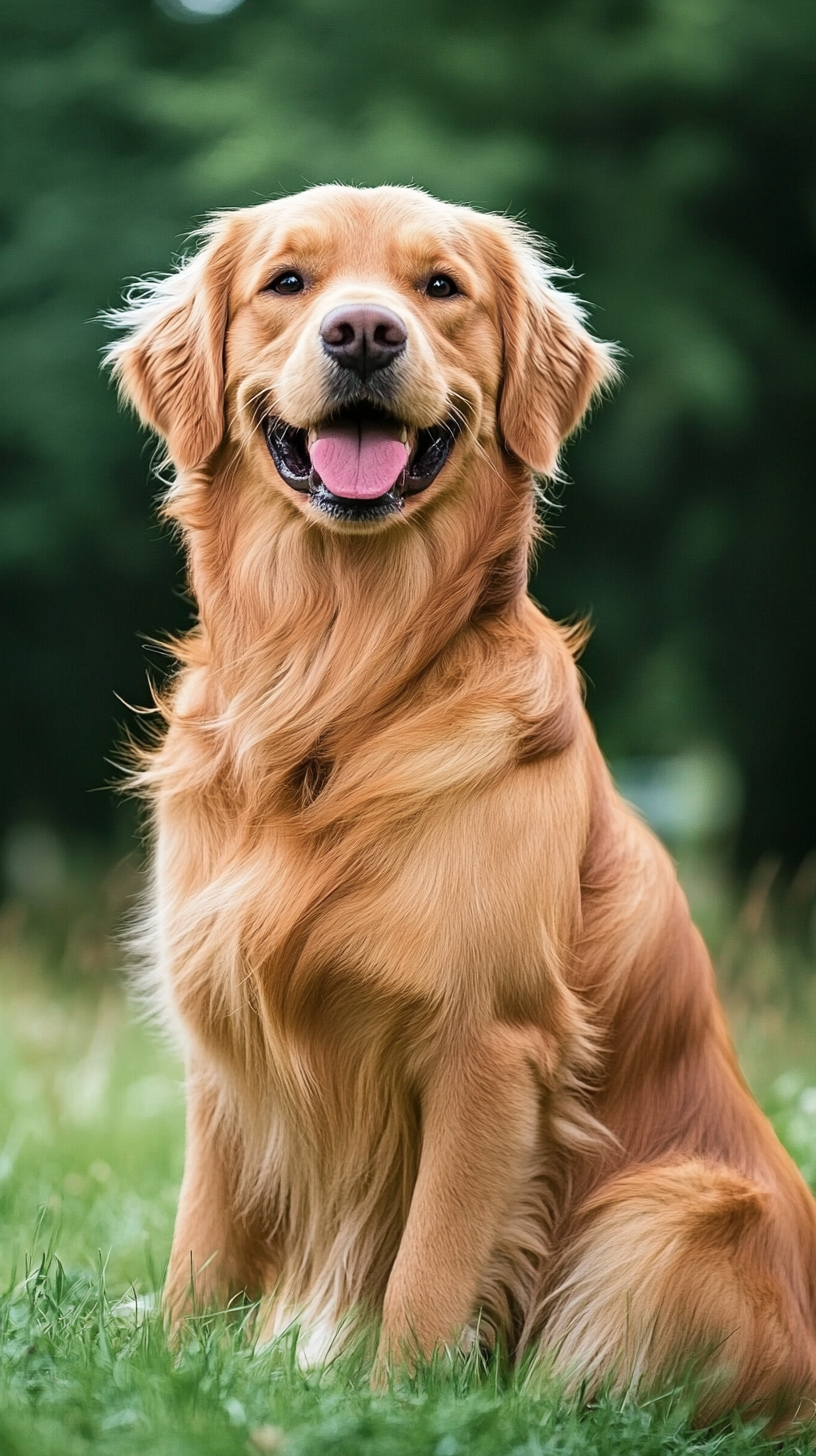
(170, 365)
(553, 368)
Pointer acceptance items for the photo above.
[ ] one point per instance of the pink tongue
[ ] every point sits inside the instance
(358, 460)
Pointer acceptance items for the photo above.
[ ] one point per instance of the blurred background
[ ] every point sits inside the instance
(668, 149)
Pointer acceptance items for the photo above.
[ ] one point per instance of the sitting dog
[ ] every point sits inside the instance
(454, 1051)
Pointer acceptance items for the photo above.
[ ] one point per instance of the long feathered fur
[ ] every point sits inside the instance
(454, 1049)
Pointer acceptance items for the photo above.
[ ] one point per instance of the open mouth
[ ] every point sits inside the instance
(361, 463)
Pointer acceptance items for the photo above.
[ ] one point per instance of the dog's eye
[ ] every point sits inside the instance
(286, 283)
(440, 286)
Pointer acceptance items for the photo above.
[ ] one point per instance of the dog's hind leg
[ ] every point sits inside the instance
(686, 1270)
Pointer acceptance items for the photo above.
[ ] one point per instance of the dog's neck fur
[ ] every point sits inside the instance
(310, 640)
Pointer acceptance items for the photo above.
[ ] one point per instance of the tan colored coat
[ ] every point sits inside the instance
(453, 1044)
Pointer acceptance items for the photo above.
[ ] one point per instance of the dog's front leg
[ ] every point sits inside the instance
(480, 1120)
(211, 1258)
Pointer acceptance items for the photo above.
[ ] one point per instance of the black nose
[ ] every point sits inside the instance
(363, 337)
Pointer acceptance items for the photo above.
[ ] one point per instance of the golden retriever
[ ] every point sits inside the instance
(454, 1052)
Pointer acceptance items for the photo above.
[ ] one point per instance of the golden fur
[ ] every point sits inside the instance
(453, 1046)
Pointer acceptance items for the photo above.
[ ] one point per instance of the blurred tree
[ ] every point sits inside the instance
(666, 145)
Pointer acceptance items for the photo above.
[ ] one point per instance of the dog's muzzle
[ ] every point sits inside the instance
(360, 463)
(363, 337)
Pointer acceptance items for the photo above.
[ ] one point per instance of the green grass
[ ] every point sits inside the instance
(91, 1143)
(81, 1375)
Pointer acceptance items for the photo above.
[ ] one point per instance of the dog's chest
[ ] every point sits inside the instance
(336, 935)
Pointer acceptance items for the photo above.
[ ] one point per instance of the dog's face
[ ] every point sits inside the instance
(367, 331)
(360, 346)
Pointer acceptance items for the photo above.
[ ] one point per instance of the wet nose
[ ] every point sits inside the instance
(363, 337)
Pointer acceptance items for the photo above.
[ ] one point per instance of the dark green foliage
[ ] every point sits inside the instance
(667, 146)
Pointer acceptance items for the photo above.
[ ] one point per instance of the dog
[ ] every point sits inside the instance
(454, 1055)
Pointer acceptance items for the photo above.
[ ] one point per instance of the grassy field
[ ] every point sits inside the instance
(90, 1159)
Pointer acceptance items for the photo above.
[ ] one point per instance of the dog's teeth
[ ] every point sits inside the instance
(404, 434)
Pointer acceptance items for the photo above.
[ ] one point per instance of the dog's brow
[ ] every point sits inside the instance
(304, 238)
(366, 249)
(297, 244)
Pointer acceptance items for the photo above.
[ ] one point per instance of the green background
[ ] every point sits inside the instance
(666, 146)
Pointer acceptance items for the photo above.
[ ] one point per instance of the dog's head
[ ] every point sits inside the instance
(360, 345)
